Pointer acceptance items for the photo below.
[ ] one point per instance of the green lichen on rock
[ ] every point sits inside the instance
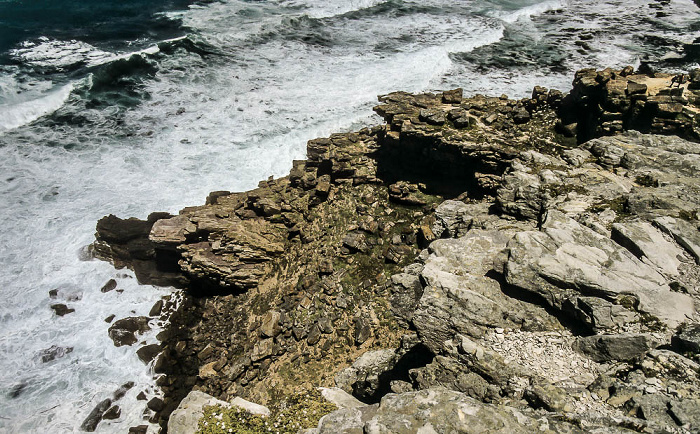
(298, 412)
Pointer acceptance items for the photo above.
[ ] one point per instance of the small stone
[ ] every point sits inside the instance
(54, 353)
(156, 309)
(110, 318)
(314, 335)
(109, 286)
(61, 309)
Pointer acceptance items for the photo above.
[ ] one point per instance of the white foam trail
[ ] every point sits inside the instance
(530, 11)
(328, 9)
(13, 115)
(59, 54)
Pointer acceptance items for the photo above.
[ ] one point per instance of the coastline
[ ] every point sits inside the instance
(290, 283)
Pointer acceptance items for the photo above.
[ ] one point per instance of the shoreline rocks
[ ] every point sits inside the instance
(470, 251)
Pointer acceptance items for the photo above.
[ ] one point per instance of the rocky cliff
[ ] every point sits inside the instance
(522, 264)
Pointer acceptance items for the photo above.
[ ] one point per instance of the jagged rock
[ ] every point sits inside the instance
(688, 338)
(434, 410)
(452, 219)
(271, 324)
(363, 330)
(356, 241)
(599, 314)
(452, 374)
(53, 353)
(565, 259)
(460, 299)
(686, 413)
(124, 331)
(90, 423)
(453, 96)
(114, 412)
(406, 290)
(362, 378)
(550, 397)
(148, 352)
(649, 245)
(61, 309)
(622, 347)
(685, 234)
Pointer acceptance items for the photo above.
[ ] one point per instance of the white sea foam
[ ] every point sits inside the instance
(58, 54)
(15, 114)
(530, 11)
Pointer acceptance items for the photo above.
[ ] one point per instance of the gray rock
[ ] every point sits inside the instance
(567, 259)
(599, 314)
(621, 347)
(406, 291)
(339, 397)
(688, 338)
(444, 411)
(363, 330)
(362, 378)
(649, 245)
(90, 423)
(356, 241)
(451, 374)
(686, 413)
(685, 234)
(459, 297)
(346, 420)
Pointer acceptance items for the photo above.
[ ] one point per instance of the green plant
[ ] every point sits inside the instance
(297, 412)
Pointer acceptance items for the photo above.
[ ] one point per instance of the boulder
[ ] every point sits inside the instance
(618, 347)
(688, 338)
(124, 331)
(90, 423)
(566, 259)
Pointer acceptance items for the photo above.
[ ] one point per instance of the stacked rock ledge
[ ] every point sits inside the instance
(527, 264)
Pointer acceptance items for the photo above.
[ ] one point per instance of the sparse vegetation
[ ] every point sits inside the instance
(300, 411)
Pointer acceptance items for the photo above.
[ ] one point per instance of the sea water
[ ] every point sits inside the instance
(130, 107)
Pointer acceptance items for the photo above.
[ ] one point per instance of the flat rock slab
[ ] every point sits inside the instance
(461, 299)
(566, 259)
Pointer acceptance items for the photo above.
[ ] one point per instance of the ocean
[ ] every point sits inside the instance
(136, 106)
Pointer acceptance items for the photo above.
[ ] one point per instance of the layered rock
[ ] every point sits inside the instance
(550, 286)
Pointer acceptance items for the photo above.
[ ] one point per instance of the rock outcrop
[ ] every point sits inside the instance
(476, 264)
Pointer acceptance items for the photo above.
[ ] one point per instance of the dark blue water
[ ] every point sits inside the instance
(103, 23)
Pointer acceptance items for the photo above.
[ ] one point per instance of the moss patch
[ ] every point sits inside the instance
(298, 412)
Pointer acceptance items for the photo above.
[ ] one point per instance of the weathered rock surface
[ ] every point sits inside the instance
(537, 293)
(185, 418)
